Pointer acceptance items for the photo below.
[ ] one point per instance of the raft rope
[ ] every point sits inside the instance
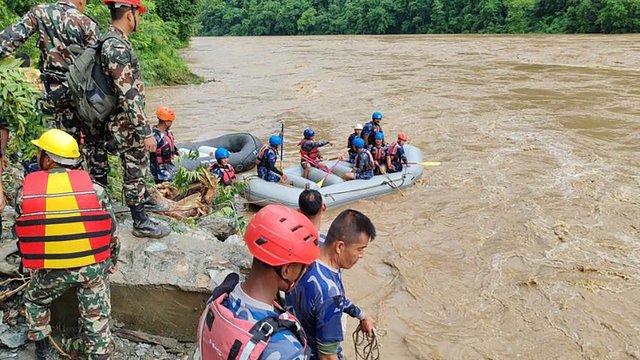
(366, 348)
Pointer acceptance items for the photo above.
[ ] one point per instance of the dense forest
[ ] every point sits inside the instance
(164, 29)
(297, 17)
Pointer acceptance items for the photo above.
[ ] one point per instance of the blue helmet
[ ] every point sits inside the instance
(309, 133)
(379, 135)
(376, 115)
(358, 143)
(222, 153)
(275, 140)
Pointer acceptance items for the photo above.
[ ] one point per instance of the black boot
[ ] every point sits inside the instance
(152, 205)
(145, 227)
(45, 351)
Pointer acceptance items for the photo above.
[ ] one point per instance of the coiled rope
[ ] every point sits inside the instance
(367, 348)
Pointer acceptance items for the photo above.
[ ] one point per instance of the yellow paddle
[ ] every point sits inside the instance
(426, 163)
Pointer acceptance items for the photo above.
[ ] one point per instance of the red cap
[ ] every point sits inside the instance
(136, 3)
(278, 235)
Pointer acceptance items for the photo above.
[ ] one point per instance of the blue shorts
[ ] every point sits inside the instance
(364, 175)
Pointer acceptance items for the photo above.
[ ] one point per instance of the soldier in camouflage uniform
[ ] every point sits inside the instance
(130, 133)
(59, 26)
(66, 248)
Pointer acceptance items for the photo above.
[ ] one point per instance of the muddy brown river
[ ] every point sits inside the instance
(525, 243)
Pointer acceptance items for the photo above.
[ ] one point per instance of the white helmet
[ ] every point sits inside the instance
(358, 127)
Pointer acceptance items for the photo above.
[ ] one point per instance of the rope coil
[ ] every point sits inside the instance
(366, 348)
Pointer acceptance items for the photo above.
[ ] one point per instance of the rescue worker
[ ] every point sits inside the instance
(310, 153)
(363, 164)
(245, 317)
(67, 238)
(59, 26)
(320, 301)
(379, 153)
(395, 154)
(127, 129)
(225, 172)
(372, 128)
(357, 130)
(266, 161)
(161, 164)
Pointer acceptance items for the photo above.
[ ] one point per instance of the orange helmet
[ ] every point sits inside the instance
(165, 113)
(133, 3)
(402, 136)
(278, 236)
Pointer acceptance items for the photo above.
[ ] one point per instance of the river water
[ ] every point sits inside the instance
(525, 243)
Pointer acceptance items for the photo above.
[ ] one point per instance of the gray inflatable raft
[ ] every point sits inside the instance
(243, 148)
(335, 191)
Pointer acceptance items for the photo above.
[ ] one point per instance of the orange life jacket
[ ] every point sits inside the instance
(62, 224)
(379, 153)
(228, 173)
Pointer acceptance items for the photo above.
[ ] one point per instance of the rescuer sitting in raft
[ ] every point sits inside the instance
(396, 156)
(379, 153)
(161, 164)
(266, 161)
(68, 240)
(225, 172)
(310, 152)
(363, 164)
(357, 130)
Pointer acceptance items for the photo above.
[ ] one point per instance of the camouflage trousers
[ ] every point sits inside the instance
(94, 297)
(64, 116)
(119, 138)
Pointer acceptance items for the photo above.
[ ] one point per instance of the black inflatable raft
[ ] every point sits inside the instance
(243, 148)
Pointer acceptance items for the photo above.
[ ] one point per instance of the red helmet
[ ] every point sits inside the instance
(402, 136)
(278, 235)
(135, 3)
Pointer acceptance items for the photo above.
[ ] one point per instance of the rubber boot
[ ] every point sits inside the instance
(152, 205)
(45, 351)
(143, 226)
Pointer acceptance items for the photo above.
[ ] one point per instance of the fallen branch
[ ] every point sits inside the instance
(9, 293)
(139, 336)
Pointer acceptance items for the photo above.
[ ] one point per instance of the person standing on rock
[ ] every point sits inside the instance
(244, 319)
(127, 128)
(59, 25)
(320, 300)
(67, 238)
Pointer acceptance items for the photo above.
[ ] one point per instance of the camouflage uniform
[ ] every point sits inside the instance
(128, 127)
(59, 26)
(92, 289)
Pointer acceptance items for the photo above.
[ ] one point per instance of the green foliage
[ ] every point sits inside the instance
(20, 105)
(295, 17)
(225, 204)
(181, 14)
(115, 179)
(184, 178)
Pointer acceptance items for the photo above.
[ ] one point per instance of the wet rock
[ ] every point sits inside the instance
(220, 227)
(14, 337)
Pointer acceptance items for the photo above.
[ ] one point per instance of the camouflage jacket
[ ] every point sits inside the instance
(105, 202)
(121, 65)
(59, 26)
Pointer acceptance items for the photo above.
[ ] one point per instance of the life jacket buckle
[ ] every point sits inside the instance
(269, 331)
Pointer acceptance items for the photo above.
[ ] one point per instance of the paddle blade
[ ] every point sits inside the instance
(319, 183)
(430, 163)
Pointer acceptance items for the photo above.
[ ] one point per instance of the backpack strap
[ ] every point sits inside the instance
(264, 329)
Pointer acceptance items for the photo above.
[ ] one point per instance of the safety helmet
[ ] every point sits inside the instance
(402, 136)
(379, 135)
(132, 3)
(275, 140)
(60, 146)
(358, 143)
(278, 235)
(357, 127)
(376, 115)
(222, 153)
(165, 113)
(309, 133)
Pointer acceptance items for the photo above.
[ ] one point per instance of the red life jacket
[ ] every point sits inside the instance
(62, 224)
(168, 142)
(378, 153)
(369, 166)
(260, 157)
(222, 336)
(228, 174)
(313, 154)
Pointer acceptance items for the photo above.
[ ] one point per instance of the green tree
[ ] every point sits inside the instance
(183, 13)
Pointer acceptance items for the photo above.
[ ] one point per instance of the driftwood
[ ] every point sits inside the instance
(196, 202)
(139, 336)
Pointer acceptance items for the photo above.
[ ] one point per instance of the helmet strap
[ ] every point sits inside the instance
(290, 284)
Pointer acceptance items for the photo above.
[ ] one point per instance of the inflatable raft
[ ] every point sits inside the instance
(335, 191)
(242, 146)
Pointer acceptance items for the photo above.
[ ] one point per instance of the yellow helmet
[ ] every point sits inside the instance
(61, 147)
